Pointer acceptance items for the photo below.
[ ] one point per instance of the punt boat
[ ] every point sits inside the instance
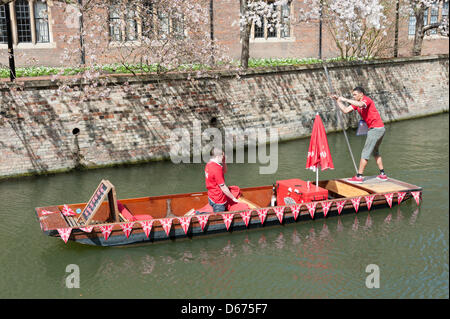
(107, 221)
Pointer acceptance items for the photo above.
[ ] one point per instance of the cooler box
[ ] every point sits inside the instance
(295, 191)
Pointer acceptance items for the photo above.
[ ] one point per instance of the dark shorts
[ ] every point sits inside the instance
(217, 207)
(374, 138)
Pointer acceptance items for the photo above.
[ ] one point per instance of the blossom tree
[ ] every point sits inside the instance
(358, 27)
(418, 9)
(257, 12)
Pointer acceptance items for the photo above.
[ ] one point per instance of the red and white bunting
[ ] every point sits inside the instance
(227, 219)
(127, 228)
(87, 229)
(64, 233)
(185, 223)
(46, 212)
(147, 226)
(295, 209)
(279, 211)
(246, 216)
(417, 196)
(106, 231)
(400, 197)
(311, 208)
(166, 224)
(369, 200)
(340, 205)
(389, 197)
(325, 207)
(355, 202)
(67, 211)
(202, 220)
(262, 213)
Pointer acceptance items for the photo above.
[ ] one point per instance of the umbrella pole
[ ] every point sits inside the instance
(317, 176)
(340, 119)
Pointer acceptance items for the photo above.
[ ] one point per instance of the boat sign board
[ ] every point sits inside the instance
(96, 200)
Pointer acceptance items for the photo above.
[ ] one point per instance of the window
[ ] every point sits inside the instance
(29, 23)
(412, 25)
(122, 21)
(431, 15)
(23, 21)
(143, 18)
(268, 30)
(3, 35)
(40, 19)
(434, 17)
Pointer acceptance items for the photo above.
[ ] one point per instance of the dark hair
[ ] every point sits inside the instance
(359, 89)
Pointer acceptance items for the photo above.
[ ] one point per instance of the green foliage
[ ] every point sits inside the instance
(34, 71)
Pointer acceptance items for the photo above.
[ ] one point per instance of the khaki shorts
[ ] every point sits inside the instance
(374, 138)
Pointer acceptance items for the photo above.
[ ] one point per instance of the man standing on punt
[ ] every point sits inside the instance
(368, 112)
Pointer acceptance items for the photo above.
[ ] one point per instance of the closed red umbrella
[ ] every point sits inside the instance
(319, 152)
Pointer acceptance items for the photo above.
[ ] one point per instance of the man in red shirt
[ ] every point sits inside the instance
(215, 182)
(368, 112)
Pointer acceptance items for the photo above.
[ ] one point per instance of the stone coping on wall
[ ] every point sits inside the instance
(118, 79)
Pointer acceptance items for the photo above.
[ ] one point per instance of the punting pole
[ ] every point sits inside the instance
(340, 119)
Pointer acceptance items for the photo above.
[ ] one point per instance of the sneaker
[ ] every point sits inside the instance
(382, 177)
(355, 179)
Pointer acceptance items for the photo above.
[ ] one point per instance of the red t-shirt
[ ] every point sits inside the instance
(214, 178)
(369, 113)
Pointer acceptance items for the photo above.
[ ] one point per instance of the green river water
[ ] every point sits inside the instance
(323, 258)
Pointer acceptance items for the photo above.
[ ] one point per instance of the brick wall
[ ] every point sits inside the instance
(36, 124)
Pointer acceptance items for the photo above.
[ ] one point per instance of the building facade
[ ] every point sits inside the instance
(40, 30)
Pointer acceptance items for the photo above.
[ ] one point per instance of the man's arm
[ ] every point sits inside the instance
(227, 192)
(344, 108)
(353, 102)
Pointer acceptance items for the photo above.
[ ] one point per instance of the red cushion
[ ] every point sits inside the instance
(142, 217)
(127, 215)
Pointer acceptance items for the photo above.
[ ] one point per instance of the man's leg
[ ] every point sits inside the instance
(362, 166)
(379, 162)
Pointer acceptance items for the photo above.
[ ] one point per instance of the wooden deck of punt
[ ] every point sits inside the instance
(172, 206)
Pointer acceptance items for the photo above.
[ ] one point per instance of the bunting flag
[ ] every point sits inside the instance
(147, 226)
(295, 209)
(202, 220)
(369, 200)
(311, 208)
(326, 207)
(67, 211)
(400, 197)
(46, 212)
(340, 205)
(417, 196)
(279, 211)
(185, 223)
(355, 202)
(106, 231)
(166, 224)
(87, 229)
(389, 197)
(64, 233)
(246, 216)
(228, 218)
(262, 213)
(127, 228)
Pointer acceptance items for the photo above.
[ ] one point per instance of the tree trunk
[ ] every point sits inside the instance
(397, 17)
(245, 38)
(418, 37)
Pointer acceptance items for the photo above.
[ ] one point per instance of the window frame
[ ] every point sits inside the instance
(430, 34)
(33, 44)
(279, 36)
(154, 29)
